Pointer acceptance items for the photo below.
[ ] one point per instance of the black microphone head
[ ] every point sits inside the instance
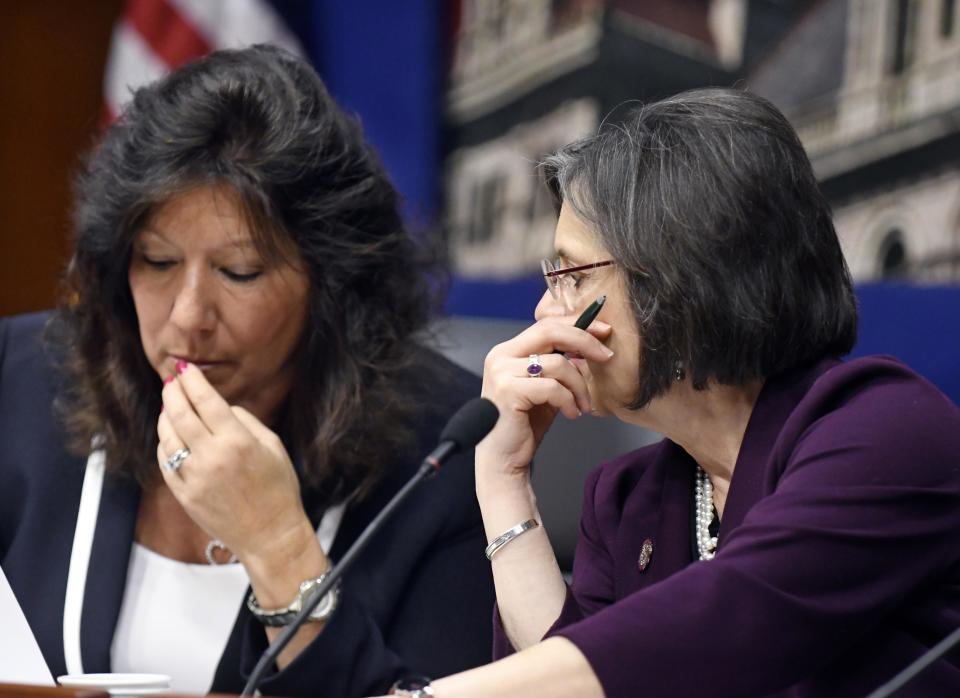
(471, 423)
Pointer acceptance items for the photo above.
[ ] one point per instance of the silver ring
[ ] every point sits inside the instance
(534, 367)
(174, 462)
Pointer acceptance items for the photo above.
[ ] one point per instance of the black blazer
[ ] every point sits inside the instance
(417, 601)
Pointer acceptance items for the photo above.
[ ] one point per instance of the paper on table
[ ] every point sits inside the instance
(20, 657)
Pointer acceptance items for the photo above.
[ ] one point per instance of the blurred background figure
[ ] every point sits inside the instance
(461, 97)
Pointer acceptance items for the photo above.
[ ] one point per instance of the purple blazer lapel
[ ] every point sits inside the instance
(755, 474)
(660, 509)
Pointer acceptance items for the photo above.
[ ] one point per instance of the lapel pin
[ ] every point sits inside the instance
(646, 552)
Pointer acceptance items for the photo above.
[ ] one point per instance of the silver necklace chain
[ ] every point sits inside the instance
(706, 544)
(214, 545)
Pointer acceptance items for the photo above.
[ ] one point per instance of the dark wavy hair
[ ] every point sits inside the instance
(260, 121)
(709, 205)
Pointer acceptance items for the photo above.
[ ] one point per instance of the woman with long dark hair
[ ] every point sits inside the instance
(240, 385)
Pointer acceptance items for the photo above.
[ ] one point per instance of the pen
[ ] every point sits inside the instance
(588, 315)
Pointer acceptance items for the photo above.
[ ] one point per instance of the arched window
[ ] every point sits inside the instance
(904, 30)
(948, 11)
(892, 256)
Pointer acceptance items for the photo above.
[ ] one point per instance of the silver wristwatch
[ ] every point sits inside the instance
(416, 686)
(278, 617)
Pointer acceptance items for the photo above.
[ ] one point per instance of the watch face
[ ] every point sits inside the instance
(412, 686)
(327, 604)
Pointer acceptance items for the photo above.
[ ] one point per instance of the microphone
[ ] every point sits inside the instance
(466, 428)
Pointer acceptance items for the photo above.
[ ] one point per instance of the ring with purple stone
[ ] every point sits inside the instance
(534, 368)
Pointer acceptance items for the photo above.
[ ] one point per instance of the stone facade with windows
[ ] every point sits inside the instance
(884, 138)
(529, 76)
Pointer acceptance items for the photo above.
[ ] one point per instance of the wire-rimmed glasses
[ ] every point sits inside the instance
(563, 282)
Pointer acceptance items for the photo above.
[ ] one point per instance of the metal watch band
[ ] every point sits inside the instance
(415, 686)
(279, 617)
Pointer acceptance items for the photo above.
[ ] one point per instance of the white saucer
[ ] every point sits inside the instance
(154, 683)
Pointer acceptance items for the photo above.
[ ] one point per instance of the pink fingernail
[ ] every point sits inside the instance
(167, 380)
(181, 366)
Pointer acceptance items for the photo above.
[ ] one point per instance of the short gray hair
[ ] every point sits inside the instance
(709, 205)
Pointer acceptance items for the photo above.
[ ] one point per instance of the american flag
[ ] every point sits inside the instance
(154, 36)
(380, 59)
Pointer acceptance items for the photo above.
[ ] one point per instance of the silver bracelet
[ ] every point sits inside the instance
(514, 532)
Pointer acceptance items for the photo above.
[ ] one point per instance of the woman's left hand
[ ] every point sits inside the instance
(238, 483)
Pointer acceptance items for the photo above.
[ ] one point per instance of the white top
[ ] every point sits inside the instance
(176, 617)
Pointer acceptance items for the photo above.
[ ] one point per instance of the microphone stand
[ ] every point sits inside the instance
(918, 665)
(427, 468)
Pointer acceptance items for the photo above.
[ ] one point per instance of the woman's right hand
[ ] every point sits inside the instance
(530, 588)
(529, 405)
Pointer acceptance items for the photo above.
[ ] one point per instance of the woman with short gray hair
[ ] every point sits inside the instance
(795, 531)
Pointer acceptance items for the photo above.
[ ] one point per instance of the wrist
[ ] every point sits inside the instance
(496, 462)
(512, 491)
(309, 589)
(277, 572)
(498, 519)
(503, 510)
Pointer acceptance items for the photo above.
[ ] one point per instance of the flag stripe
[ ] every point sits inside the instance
(234, 23)
(170, 35)
(155, 36)
(131, 65)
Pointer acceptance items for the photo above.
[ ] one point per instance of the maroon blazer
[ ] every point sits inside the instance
(839, 550)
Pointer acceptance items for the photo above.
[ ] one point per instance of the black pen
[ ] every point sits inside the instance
(588, 315)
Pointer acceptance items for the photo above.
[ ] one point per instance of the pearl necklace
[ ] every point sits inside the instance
(706, 544)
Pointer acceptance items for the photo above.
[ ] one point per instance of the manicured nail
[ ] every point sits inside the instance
(167, 380)
(181, 366)
(609, 352)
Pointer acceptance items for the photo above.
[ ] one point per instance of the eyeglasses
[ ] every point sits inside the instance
(564, 282)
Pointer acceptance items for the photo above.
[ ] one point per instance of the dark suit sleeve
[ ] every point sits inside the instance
(6, 527)
(4, 329)
(417, 602)
(40, 483)
(865, 514)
